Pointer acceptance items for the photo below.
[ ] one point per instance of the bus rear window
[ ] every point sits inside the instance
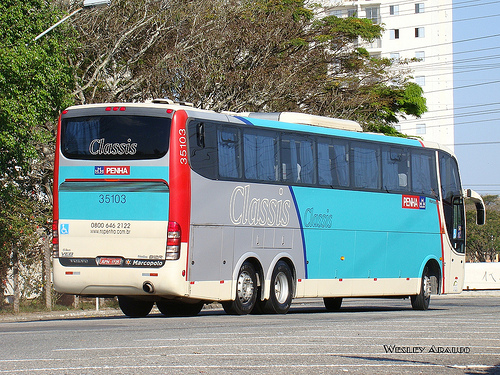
(115, 137)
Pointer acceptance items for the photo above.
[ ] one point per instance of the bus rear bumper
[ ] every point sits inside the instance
(166, 281)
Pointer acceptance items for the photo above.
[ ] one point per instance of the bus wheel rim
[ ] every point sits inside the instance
(245, 287)
(281, 287)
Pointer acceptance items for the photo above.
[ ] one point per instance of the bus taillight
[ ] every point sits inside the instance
(55, 240)
(173, 241)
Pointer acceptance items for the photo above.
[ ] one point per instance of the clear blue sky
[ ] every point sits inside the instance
(476, 47)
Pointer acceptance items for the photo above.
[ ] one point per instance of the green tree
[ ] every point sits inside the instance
(483, 242)
(36, 81)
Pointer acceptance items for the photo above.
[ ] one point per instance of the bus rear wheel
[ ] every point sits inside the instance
(133, 307)
(421, 301)
(281, 294)
(177, 308)
(246, 291)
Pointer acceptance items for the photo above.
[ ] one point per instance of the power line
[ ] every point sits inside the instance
(466, 114)
(452, 21)
(474, 143)
(459, 62)
(464, 87)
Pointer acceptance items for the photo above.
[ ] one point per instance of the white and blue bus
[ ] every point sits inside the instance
(164, 203)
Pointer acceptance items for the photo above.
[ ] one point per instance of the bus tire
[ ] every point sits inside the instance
(246, 292)
(133, 307)
(281, 294)
(332, 303)
(421, 301)
(177, 308)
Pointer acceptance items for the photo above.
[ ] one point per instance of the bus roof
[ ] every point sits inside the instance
(306, 119)
(301, 121)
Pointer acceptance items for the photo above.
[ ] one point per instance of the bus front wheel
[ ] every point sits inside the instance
(133, 307)
(421, 301)
(246, 291)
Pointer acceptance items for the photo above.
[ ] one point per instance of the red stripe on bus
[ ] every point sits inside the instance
(180, 178)
(442, 243)
(117, 180)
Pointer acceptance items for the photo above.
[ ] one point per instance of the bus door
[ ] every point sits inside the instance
(454, 217)
(455, 259)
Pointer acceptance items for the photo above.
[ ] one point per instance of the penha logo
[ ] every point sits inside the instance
(112, 170)
(414, 202)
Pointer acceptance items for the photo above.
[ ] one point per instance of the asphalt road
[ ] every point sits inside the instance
(457, 335)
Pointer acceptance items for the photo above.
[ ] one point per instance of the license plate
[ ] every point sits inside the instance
(110, 261)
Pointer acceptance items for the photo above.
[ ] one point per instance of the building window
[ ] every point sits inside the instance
(394, 33)
(377, 43)
(421, 129)
(420, 55)
(352, 13)
(336, 13)
(394, 56)
(373, 14)
(394, 10)
(419, 8)
(419, 32)
(420, 80)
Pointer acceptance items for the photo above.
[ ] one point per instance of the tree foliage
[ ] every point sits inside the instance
(483, 242)
(36, 81)
(259, 55)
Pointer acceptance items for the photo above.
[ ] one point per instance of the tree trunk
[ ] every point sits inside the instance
(3, 282)
(47, 282)
(15, 278)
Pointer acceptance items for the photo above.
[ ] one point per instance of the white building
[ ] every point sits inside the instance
(414, 29)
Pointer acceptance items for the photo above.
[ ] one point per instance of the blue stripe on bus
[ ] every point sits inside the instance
(301, 230)
(107, 205)
(244, 119)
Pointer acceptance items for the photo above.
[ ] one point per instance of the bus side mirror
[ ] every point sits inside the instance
(478, 201)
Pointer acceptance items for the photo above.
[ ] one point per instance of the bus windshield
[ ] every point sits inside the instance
(114, 137)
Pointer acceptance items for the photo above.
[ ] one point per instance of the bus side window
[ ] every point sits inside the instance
(203, 148)
(228, 152)
(395, 169)
(366, 165)
(297, 158)
(333, 162)
(423, 173)
(260, 155)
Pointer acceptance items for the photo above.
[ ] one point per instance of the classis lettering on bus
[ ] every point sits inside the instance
(245, 209)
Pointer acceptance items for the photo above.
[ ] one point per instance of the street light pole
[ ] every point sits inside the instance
(57, 24)
(86, 4)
